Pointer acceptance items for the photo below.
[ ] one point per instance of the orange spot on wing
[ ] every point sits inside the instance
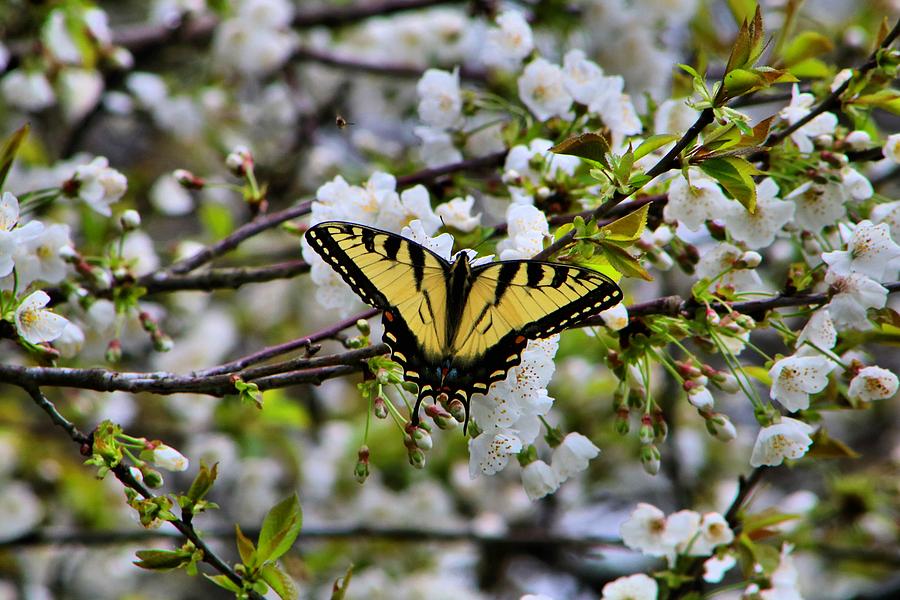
(520, 339)
(389, 316)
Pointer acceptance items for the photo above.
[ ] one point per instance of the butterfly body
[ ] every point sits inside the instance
(456, 328)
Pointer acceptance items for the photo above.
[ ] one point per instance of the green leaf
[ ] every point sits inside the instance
(203, 482)
(245, 548)
(623, 167)
(741, 81)
(811, 68)
(9, 150)
(623, 262)
(736, 176)
(161, 560)
(652, 143)
(341, 585)
(765, 519)
(888, 100)
(807, 44)
(590, 146)
(628, 228)
(223, 582)
(825, 446)
(279, 529)
(217, 219)
(279, 581)
(758, 373)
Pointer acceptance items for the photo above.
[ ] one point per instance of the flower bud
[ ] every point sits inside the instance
(380, 407)
(239, 160)
(650, 459)
(114, 351)
(188, 180)
(457, 409)
(621, 424)
(166, 457)
(749, 260)
(440, 416)
(361, 470)
(646, 434)
(512, 177)
(130, 220)
(721, 426)
(363, 326)
(422, 439)
(153, 479)
(416, 457)
(701, 398)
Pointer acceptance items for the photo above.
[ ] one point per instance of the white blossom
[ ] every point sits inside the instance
(888, 213)
(758, 229)
(857, 185)
(714, 568)
(21, 509)
(701, 398)
(572, 455)
(632, 587)
(892, 147)
(149, 89)
(692, 204)
(853, 295)
(800, 106)
(870, 252)
(99, 185)
(437, 147)
(818, 205)
(489, 452)
(526, 228)
(440, 101)
(796, 377)
(543, 91)
(714, 531)
(784, 579)
(536, 163)
(673, 116)
(510, 42)
(70, 341)
(257, 40)
(818, 331)
(58, 39)
(170, 197)
(789, 438)
(35, 323)
(79, 92)
(28, 90)
(615, 318)
(38, 257)
(645, 530)
(457, 213)
(539, 479)
(718, 263)
(873, 383)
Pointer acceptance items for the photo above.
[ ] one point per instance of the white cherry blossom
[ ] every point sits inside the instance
(673, 116)
(818, 205)
(27, 90)
(800, 106)
(539, 479)
(526, 228)
(714, 568)
(457, 213)
(79, 92)
(784, 579)
(573, 455)
(720, 260)
(853, 295)
(166, 457)
(38, 257)
(632, 587)
(758, 229)
(35, 323)
(796, 377)
(583, 78)
(543, 91)
(170, 197)
(99, 185)
(440, 100)
(857, 185)
(489, 452)
(536, 163)
(714, 531)
(888, 213)
(818, 331)
(509, 42)
(692, 204)
(789, 438)
(645, 530)
(615, 318)
(892, 148)
(437, 147)
(870, 252)
(873, 383)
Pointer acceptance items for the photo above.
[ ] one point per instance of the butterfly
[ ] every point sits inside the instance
(455, 328)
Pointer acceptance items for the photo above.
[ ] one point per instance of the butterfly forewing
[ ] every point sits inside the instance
(393, 274)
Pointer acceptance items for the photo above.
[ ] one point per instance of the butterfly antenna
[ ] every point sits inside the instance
(414, 417)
